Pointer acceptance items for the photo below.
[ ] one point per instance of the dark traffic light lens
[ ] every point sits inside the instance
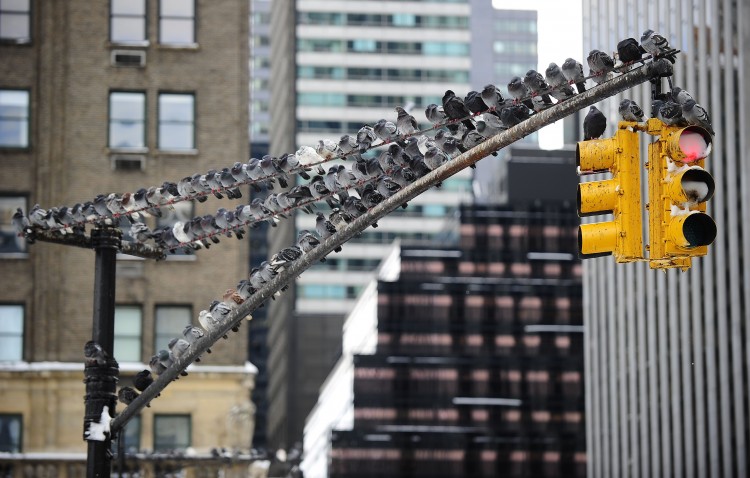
(699, 230)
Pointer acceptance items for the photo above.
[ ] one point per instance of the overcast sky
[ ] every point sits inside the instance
(559, 27)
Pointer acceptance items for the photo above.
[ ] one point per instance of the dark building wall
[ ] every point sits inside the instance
(479, 365)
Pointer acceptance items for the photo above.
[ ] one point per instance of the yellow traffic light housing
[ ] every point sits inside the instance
(679, 188)
(619, 196)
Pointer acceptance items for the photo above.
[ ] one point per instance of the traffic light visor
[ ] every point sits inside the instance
(690, 144)
(693, 230)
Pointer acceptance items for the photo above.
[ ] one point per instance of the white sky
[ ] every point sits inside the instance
(560, 37)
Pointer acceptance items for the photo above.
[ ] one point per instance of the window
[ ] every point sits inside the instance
(127, 22)
(14, 118)
(170, 320)
(127, 119)
(177, 22)
(11, 333)
(10, 243)
(176, 121)
(11, 429)
(15, 21)
(128, 329)
(171, 432)
(132, 435)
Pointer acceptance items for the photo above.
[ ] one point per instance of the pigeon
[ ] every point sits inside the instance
(452, 146)
(365, 137)
(573, 72)
(680, 96)
(696, 115)
(405, 123)
(385, 130)
(492, 96)
(165, 357)
(630, 111)
(157, 368)
(20, 222)
(328, 149)
(348, 144)
(656, 45)
(670, 113)
(95, 354)
(536, 84)
(629, 50)
(178, 347)
(455, 109)
(600, 65)
(325, 228)
(306, 241)
(126, 395)
(285, 256)
(435, 114)
(513, 115)
(594, 124)
(488, 125)
(560, 88)
(207, 320)
(434, 158)
(520, 92)
(475, 103)
(142, 380)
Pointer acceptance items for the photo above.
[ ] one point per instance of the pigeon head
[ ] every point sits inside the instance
(552, 69)
(647, 34)
(162, 354)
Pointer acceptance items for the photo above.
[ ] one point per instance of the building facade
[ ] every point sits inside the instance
(667, 354)
(468, 360)
(100, 97)
(354, 62)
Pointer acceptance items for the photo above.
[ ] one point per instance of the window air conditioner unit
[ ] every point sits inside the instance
(129, 58)
(128, 162)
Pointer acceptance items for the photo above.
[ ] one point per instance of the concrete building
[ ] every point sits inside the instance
(354, 61)
(667, 354)
(100, 97)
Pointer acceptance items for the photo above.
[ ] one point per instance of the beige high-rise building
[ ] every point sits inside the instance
(100, 97)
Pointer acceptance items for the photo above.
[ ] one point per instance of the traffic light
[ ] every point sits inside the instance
(679, 188)
(619, 196)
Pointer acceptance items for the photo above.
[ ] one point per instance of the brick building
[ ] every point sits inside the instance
(111, 96)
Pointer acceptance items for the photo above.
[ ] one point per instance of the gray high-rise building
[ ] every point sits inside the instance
(346, 64)
(667, 376)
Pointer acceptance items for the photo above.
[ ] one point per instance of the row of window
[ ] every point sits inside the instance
(309, 98)
(388, 74)
(328, 291)
(171, 432)
(515, 47)
(127, 119)
(128, 21)
(429, 48)
(168, 320)
(382, 20)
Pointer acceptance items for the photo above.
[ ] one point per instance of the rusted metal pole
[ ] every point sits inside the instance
(659, 68)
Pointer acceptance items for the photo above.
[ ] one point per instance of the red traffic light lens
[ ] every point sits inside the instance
(695, 144)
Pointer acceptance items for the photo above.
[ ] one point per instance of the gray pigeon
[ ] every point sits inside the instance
(630, 111)
(695, 115)
(600, 65)
(573, 72)
(405, 123)
(560, 88)
(656, 45)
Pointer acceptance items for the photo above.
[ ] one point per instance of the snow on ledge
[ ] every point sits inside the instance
(248, 367)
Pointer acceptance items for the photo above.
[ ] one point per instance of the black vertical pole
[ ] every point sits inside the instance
(101, 380)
